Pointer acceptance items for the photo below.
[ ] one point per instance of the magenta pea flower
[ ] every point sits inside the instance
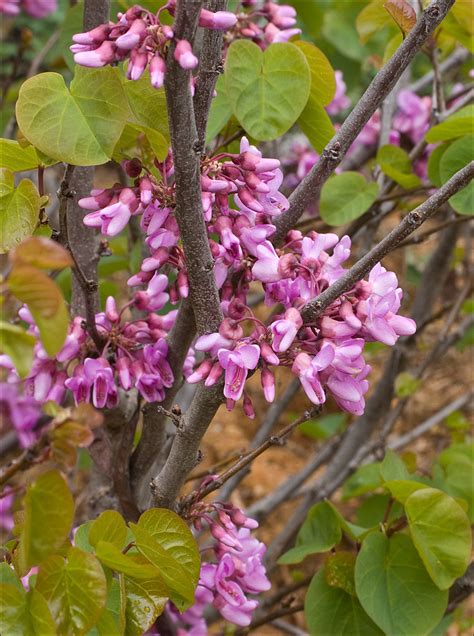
(308, 370)
(237, 364)
(284, 330)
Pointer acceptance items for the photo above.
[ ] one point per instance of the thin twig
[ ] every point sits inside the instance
(284, 611)
(274, 440)
(381, 85)
(410, 223)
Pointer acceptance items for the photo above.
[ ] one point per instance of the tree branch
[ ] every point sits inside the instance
(410, 223)
(381, 85)
(186, 156)
(248, 458)
(210, 66)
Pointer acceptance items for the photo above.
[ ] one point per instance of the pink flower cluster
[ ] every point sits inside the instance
(240, 194)
(34, 8)
(264, 22)
(236, 572)
(241, 198)
(140, 37)
(134, 354)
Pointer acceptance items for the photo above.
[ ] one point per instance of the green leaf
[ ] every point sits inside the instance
(112, 619)
(9, 576)
(16, 158)
(458, 155)
(19, 210)
(71, 24)
(323, 79)
(391, 47)
(45, 302)
(393, 467)
(433, 164)
(220, 111)
(109, 526)
(18, 345)
(456, 125)
(320, 532)
(345, 197)
(396, 164)
(166, 541)
(81, 537)
(80, 126)
(353, 531)
(330, 610)
(316, 124)
(268, 90)
(136, 568)
(145, 601)
(339, 571)
(24, 613)
(394, 587)
(48, 515)
(365, 479)
(339, 30)
(372, 19)
(406, 384)
(401, 489)
(75, 588)
(147, 105)
(324, 427)
(441, 532)
(372, 510)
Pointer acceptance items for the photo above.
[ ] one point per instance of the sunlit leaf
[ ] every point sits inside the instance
(266, 90)
(49, 510)
(396, 164)
(80, 126)
(18, 345)
(19, 210)
(75, 588)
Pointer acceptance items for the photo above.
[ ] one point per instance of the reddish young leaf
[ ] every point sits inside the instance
(403, 14)
(41, 252)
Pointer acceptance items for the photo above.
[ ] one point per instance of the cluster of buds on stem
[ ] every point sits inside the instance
(140, 37)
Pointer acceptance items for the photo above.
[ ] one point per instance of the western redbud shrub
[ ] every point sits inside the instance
(222, 260)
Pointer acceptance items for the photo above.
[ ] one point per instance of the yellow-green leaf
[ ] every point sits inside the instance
(19, 210)
(80, 126)
(48, 515)
(18, 345)
(75, 589)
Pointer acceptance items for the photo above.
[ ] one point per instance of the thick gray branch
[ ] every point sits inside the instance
(382, 84)
(210, 66)
(189, 213)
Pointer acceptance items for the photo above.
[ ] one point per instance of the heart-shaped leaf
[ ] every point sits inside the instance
(331, 610)
(345, 197)
(394, 587)
(268, 90)
(79, 126)
(24, 613)
(109, 526)
(441, 533)
(16, 158)
(75, 588)
(48, 515)
(396, 164)
(458, 155)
